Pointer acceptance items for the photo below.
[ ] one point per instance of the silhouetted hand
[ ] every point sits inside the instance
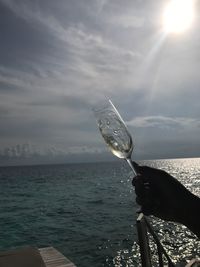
(161, 195)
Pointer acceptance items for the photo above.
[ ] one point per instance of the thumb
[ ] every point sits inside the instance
(136, 166)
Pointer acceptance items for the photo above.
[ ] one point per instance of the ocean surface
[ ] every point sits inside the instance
(88, 211)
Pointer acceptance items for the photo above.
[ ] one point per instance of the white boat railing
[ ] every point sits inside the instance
(144, 227)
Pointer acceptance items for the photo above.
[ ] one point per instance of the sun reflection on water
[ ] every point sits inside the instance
(179, 242)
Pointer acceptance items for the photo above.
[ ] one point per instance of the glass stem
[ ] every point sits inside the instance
(131, 165)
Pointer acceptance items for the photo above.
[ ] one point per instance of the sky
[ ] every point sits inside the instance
(58, 59)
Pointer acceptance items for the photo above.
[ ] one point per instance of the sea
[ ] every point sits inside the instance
(88, 211)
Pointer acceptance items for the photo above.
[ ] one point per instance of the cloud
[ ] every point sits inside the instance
(127, 21)
(164, 122)
(86, 53)
(14, 80)
(57, 59)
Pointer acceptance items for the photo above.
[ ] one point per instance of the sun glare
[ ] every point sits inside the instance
(178, 16)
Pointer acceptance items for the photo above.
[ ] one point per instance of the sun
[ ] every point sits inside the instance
(178, 16)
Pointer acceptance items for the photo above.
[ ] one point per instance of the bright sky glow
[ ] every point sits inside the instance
(178, 16)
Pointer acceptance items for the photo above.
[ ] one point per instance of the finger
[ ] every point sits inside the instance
(146, 207)
(143, 170)
(135, 179)
(141, 179)
(139, 188)
(139, 169)
(147, 210)
(146, 199)
(136, 166)
(147, 204)
(138, 200)
(139, 210)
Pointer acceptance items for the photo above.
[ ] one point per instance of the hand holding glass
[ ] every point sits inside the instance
(115, 132)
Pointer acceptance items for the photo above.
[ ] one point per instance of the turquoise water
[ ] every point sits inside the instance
(87, 211)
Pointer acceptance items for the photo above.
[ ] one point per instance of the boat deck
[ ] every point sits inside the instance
(53, 258)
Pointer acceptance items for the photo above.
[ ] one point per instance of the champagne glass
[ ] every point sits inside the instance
(114, 131)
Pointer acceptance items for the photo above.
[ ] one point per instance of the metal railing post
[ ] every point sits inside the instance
(161, 250)
(142, 226)
(143, 241)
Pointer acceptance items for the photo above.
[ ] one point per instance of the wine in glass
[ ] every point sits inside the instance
(114, 131)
